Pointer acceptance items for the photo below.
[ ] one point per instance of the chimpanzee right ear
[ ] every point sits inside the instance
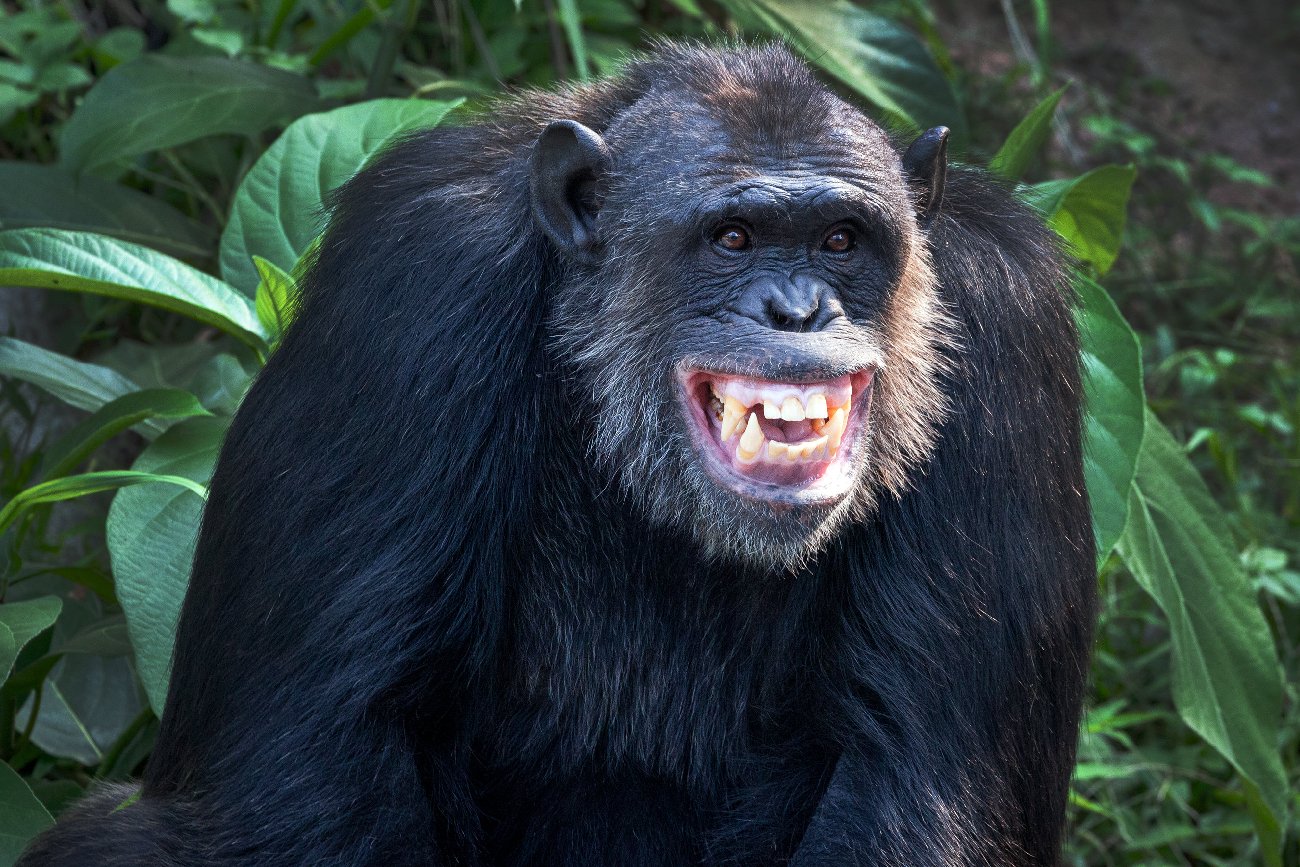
(926, 164)
(567, 163)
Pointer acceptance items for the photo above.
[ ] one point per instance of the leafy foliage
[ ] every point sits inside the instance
(140, 174)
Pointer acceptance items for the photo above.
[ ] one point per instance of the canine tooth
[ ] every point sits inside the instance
(816, 406)
(792, 409)
(751, 441)
(770, 409)
(776, 450)
(733, 412)
(834, 429)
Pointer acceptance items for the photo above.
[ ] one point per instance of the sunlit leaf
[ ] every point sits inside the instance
(276, 298)
(1089, 211)
(86, 262)
(279, 209)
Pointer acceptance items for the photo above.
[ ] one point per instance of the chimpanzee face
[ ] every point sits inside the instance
(752, 312)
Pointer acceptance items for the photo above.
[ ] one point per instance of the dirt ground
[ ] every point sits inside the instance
(1219, 76)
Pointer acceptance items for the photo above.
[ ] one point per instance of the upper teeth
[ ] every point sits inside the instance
(826, 404)
(787, 402)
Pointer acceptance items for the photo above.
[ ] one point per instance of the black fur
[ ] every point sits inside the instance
(431, 623)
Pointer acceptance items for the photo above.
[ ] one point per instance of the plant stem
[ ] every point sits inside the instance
(282, 13)
(400, 18)
(123, 741)
(193, 186)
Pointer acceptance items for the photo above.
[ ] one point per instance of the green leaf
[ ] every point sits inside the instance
(22, 815)
(49, 196)
(113, 418)
(70, 487)
(571, 21)
(156, 102)
(87, 701)
(279, 208)
(222, 384)
(1026, 140)
(23, 621)
(1115, 410)
(881, 60)
(151, 532)
(76, 383)
(1089, 211)
(85, 262)
(277, 297)
(1227, 683)
(8, 651)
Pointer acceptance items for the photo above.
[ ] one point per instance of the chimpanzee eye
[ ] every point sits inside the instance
(839, 240)
(731, 236)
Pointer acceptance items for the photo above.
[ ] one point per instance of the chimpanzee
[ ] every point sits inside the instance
(668, 470)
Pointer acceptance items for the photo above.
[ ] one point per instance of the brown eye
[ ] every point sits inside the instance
(840, 240)
(731, 237)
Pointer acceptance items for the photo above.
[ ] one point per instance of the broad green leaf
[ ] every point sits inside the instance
(1115, 407)
(85, 262)
(221, 384)
(50, 196)
(1089, 211)
(206, 370)
(279, 209)
(277, 297)
(111, 419)
(86, 704)
(76, 383)
(156, 102)
(1227, 683)
(881, 60)
(151, 532)
(106, 637)
(70, 487)
(23, 621)
(22, 816)
(1026, 140)
(87, 701)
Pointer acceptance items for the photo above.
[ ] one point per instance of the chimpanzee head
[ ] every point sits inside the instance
(749, 302)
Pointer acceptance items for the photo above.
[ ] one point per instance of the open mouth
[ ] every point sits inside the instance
(790, 441)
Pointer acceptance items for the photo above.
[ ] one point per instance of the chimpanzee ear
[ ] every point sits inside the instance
(926, 164)
(567, 164)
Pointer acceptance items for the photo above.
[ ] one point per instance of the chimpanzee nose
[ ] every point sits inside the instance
(799, 303)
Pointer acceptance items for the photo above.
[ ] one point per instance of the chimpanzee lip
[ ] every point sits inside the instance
(790, 441)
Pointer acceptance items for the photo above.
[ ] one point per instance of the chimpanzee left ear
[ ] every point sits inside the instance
(567, 163)
(926, 164)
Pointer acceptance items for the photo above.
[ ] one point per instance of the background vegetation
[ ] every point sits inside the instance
(166, 162)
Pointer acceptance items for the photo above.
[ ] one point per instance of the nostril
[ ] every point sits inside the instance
(786, 317)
